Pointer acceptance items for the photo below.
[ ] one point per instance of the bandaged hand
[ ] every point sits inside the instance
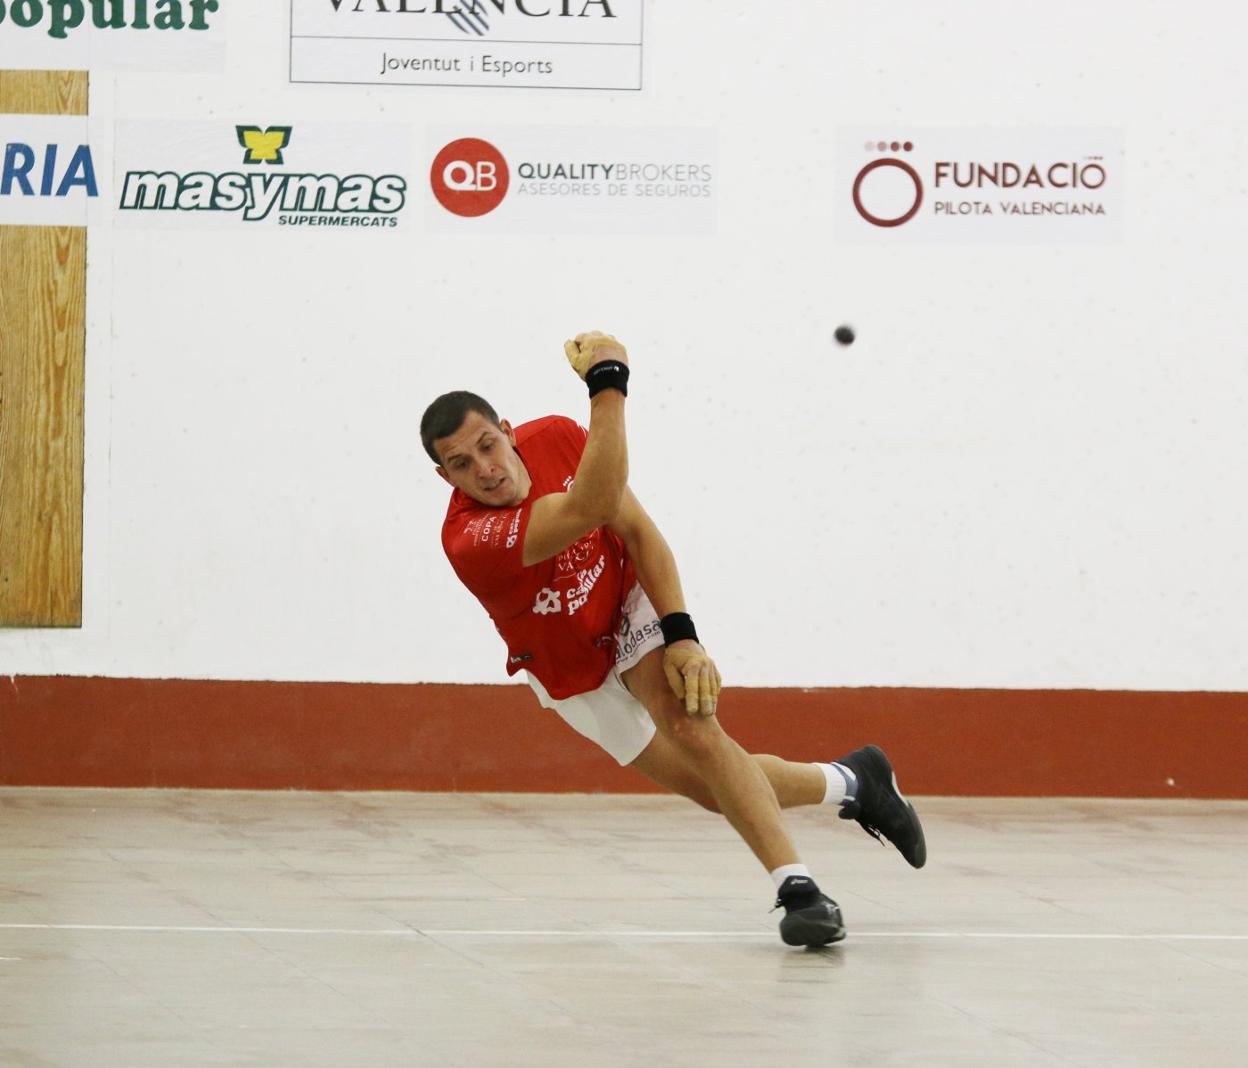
(585, 350)
(693, 676)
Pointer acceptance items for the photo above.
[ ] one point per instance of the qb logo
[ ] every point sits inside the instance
(462, 177)
(469, 177)
(547, 602)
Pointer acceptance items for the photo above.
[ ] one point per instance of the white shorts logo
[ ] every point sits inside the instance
(547, 602)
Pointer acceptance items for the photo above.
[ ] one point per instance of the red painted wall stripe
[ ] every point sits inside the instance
(68, 731)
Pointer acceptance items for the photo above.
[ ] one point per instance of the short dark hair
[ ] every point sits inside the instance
(447, 414)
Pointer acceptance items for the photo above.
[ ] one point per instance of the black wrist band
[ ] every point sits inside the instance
(676, 627)
(610, 374)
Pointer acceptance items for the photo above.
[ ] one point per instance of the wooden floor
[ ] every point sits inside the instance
(188, 928)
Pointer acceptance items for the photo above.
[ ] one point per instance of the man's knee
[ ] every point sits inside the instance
(667, 765)
(699, 739)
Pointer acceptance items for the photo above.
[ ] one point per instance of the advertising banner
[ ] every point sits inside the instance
(572, 180)
(48, 174)
(504, 44)
(307, 176)
(116, 35)
(979, 184)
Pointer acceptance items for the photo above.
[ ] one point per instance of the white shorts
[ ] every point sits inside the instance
(610, 716)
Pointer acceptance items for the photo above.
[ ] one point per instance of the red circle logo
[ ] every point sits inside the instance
(469, 177)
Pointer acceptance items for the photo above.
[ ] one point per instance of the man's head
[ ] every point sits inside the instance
(475, 451)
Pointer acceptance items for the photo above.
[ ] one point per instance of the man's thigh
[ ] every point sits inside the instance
(647, 682)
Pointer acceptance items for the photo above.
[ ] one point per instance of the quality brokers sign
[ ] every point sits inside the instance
(545, 180)
(546, 44)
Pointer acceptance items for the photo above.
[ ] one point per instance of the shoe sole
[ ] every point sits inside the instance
(797, 930)
(920, 842)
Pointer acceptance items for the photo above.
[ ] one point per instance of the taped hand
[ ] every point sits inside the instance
(693, 676)
(585, 350)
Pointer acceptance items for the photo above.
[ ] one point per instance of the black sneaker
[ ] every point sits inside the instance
(810, 917)
(880, 807)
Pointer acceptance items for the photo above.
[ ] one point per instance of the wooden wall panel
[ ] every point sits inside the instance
(43, 273)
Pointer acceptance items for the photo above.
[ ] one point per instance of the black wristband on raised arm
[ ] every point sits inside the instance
(610, 374)
(676, 627)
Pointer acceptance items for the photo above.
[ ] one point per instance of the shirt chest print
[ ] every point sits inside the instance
(575, 568)
(549, 602)
(575, 557)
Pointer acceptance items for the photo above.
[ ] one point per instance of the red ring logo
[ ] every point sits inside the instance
(875, 220)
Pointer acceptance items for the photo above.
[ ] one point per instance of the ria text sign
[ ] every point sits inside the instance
(48, 171)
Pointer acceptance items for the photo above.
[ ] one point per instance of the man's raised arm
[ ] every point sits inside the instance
(559, 519)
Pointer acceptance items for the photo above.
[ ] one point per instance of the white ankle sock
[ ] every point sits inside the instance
(785, 870)
(842, 783)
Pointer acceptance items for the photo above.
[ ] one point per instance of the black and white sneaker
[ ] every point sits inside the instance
(880, 808)
(811, 918)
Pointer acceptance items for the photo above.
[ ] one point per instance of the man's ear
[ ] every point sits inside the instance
(506, 429)
(443, 475)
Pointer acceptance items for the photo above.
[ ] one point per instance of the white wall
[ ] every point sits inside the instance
(1028, 472)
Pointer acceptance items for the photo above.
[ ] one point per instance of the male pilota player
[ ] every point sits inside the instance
(543, 529)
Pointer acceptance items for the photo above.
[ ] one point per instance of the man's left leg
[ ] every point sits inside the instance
(869, 794)
(864, 788)
(794, 783)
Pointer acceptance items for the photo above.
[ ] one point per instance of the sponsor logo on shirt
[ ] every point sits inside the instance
(550, 601)
(586, 580)
(547, 602)
(578, 553)
(513, 531)
(632, 637)
(488, 529)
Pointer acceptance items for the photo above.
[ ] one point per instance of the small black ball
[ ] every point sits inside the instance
(845, 335)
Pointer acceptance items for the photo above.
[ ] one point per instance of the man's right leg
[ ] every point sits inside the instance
(739, 790)
(732, 783)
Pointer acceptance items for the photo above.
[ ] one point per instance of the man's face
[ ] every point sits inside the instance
(481, 459)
